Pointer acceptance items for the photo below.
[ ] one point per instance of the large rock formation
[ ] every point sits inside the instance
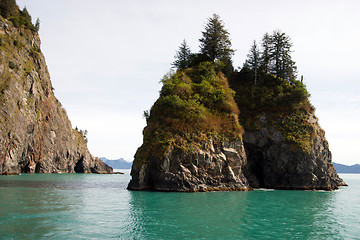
(187, 148)
(36, 135)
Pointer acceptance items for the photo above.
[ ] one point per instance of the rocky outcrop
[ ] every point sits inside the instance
(36, 135)
(275, 163)
(214, 167)
(280, 144)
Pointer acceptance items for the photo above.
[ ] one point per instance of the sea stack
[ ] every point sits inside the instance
(36, 135)
(261, 132)
(193, 141)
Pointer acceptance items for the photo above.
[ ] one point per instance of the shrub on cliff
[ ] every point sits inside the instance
(10, 10)
(7, 8)
(23, 19)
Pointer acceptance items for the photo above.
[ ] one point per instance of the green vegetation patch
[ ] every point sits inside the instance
(285, 104)
(13, 65)
(195, 104)
(297, 129)
(19, 18)
(35, 52)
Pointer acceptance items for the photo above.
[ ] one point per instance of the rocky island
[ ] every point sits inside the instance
(36, 135)
(214, 128)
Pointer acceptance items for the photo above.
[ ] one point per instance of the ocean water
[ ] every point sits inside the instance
(90, 206)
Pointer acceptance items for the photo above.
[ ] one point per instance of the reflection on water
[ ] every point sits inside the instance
(89, 206)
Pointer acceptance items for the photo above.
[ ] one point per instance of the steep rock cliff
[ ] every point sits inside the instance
(276, 163)
(286, 147)
(214, 167)
(36, 134)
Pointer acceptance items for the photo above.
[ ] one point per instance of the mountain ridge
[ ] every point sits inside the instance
(342, 168)
(117, 163)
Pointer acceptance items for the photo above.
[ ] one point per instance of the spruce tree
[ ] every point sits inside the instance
(37, 25)
(26, 14)
(182, 56)
(280, 56)
(265, 55)
(253, 61)
(215, 43)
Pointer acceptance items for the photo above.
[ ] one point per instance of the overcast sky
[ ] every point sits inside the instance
(106, 59)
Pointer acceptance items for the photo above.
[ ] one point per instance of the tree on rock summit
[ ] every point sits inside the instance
(215, 43)
(275, 57)
(182, 57)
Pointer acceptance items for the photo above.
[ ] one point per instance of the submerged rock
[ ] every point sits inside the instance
(36, 135)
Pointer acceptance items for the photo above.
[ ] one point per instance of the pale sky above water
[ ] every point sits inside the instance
(106, 59)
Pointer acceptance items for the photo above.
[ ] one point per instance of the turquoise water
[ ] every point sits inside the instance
(89, 206)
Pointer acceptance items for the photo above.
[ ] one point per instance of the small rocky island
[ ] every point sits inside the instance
(214, 128)
(36, 135)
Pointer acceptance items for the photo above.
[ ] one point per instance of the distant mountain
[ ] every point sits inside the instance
(117, 164)
(341, 168)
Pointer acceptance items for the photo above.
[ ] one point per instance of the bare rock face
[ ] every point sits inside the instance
(274, 163)
(215, 167)
(36, 135)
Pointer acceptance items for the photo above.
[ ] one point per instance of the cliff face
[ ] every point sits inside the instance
(286, 147)
(275, 163)
(214, 167)
(36, 134)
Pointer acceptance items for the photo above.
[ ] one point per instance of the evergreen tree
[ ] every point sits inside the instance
(26, 14)
(215, 43)
(280, 56)
(37, 25)
(275, 57)
(182, 57)
(265, 55)
(253, 61)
